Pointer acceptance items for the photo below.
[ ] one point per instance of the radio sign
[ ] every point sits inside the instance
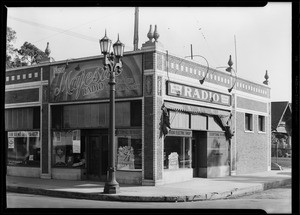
(189, 92)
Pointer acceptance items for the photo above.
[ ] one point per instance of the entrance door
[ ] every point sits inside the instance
(97, 158)
(199, 155)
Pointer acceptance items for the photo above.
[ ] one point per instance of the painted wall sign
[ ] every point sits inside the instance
(189, 92)
(180, 133)
(87, 80)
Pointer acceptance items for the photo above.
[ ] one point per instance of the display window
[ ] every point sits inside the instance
(68, 149)
(23, 148)
(177, 153)
(129, 152)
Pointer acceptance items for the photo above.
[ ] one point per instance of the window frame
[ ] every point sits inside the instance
(246, 129)
(263, 130)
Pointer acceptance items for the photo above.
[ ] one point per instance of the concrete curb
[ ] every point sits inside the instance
(127, 198)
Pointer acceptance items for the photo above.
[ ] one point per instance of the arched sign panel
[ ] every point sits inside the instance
(86, 80)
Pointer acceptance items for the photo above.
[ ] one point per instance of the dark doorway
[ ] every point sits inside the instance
(199, 155)
(97, 154)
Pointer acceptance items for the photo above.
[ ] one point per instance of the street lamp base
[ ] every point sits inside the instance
(111, 188)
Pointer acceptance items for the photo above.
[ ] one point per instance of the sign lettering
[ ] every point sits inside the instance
(23, 134)
(88, 80)
(181, 133)
(184, 91)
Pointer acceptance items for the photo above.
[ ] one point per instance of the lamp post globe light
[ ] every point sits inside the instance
(112, 64)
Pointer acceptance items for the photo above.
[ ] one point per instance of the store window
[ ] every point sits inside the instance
(129, 150)
(177, 153)
(248, 122)
(261, 124)
(68, 149)
(23, 148)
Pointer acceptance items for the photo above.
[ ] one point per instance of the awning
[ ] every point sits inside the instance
(195, 109)
(221, 117)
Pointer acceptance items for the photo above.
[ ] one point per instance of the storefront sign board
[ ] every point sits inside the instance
(200, 94)
(23, 134)
(180, 133)
(87, 80)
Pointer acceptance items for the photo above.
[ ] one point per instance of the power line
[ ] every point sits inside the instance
(70, 33)
(65, 31)
(119, 12)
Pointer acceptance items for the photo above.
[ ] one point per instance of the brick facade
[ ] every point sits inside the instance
(252, 147)
(251, 104)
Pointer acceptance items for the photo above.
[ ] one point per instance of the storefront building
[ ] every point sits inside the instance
(169, 127)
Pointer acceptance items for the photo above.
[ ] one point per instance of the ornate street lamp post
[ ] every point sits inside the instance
(112, 64)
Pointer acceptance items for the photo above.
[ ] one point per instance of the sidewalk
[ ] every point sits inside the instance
(196, 189)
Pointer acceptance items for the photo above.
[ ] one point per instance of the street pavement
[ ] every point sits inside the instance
(197, 189)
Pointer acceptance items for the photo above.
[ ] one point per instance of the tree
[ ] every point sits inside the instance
(10, 50)
(31, 54)
(28, 54)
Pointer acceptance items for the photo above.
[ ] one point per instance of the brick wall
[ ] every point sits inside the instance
(160, 140)
(252, 104)
(252, 147)
(148, 128)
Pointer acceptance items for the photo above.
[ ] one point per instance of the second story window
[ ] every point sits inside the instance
(261, 124)
(248, 122)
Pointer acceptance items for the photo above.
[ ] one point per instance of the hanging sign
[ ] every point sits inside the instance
(189, 92)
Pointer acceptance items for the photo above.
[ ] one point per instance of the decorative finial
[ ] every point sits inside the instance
(150, 34)
(156, 34)
(230, 63)
(266, 77)
(47, 50)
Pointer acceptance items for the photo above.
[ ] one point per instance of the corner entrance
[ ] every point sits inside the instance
(97, 154)
(210, 154)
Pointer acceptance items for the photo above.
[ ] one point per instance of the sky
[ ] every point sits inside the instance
(258, 38)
